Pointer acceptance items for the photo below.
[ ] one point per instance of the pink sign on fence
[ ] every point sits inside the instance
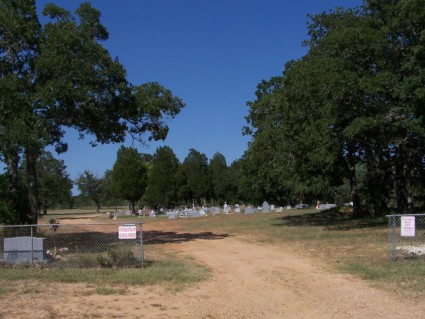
(127, 232)
(407, 226)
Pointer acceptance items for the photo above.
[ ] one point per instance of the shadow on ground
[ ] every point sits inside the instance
(331, 221)
(163, 237)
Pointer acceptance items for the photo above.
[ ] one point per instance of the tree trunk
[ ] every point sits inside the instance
(397, 189)
(353, 188)
(97, 207)
(402, 188)
(407, 191)
(31, 158)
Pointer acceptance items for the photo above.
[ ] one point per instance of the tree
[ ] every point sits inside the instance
(129, 175)
(90, 185)
(108, 196)
(351, 107)
(218, 169)
(373, 58)
(195, 168)
(10, 214)
(58, 75)
(269, 161)
(161, 190)
(55, 186)
(183, 192)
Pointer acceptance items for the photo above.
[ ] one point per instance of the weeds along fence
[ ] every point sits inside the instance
(113, 245)
(406, 236)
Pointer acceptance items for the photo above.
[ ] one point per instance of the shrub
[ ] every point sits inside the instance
(118, 259)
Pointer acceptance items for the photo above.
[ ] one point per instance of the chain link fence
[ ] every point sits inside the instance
(114, 245)
(406, 236)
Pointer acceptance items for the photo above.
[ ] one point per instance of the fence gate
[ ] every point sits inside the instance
(112, 245)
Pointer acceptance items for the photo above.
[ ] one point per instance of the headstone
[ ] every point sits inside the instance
(279, 210)
(249, 210)
(172, 215)
(215, 210)
(226, 208)
(272, 207)
(301, 206)
(152, 213)
(18, 249)
(266, 207)
(194, 213)
(326, 206)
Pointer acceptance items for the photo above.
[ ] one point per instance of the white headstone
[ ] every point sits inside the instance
(266, 207)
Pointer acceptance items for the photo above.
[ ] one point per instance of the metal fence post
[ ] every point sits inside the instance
(32, 246)
(141, 246)
(392, 237)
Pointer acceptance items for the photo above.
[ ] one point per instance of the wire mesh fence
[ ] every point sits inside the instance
(406, 236)
(113, 245)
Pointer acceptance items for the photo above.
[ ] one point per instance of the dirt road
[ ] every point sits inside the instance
(249, 281)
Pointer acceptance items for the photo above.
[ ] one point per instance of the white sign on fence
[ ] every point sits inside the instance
(407, 226)
(127, 232)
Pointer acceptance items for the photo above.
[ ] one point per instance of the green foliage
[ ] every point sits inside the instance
(354, 100)
(195, 168)
(54, 184)
(90, 186)
(162, 185)
(183, 191)
(108, 196)
(152, 104)
(129, 175)
(58, 74)
(9, 213)
(218, 168)
(122, 258)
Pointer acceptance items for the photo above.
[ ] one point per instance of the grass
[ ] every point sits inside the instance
(173, 272)
(354, 246)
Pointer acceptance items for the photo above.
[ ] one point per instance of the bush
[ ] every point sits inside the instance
(118, 259)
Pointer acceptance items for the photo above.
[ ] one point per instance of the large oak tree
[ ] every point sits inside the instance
(59, 75)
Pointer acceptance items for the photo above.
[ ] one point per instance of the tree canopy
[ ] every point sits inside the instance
(55, 185)
(195, 168)
(129, 175)
(353, 105)
(162, 185)
(59, 75)
(90, 185)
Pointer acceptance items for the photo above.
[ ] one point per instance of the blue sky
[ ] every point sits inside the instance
(212, 54)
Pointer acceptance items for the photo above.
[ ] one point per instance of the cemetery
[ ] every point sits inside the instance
(230, 209)
(317, 211)
(216, 240)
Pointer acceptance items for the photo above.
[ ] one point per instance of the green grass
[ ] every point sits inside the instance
(355, 246)
(170, 272)
(161, 268)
